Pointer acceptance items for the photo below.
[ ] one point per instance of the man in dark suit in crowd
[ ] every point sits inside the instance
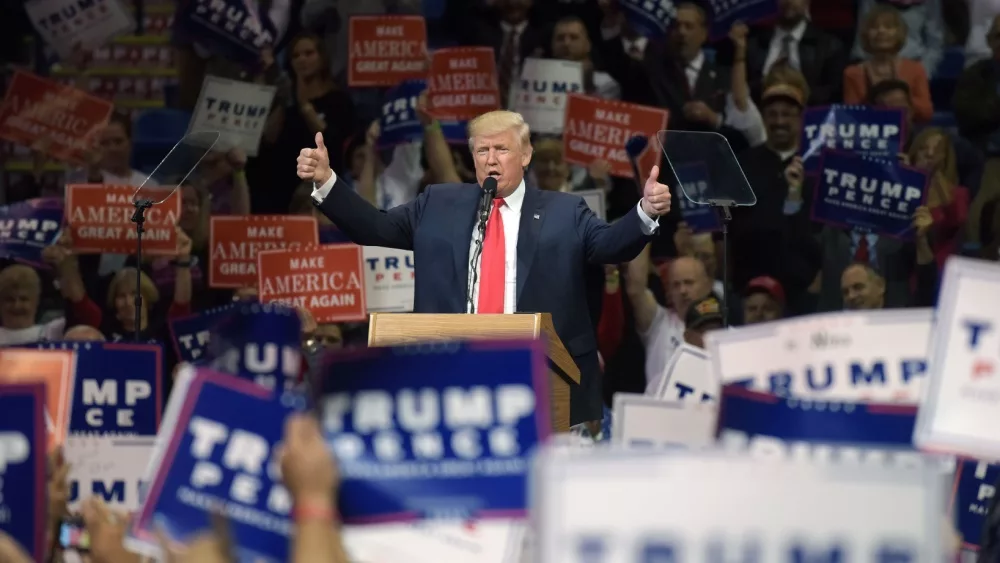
(536, 245)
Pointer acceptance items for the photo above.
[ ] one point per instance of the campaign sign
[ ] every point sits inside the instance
(646, 422)
(540, 95)
(399, 123)
(456, 132)
(389, 279)
(439, 430)
(220, 456)
(191, 334)
(649, 18)
(111, 468)
(768, 425)
(23, 466)
(330, 234)
(53, 368)
(725, 13)
(260, 343)
(598, 128)
(236, 240)
(68, 25)
(324, 280)
(600, 506)
(701, 218)
(99, 217)
(972, 494)
(873, 132)
(688, 378)
(38, 110)
(961, 402)
(26, 228)
(233, 29)
(462, 83)
(118, 388)
(595, 201)
(386, 50)
(857, 191)
(876, 356)
(237, 110)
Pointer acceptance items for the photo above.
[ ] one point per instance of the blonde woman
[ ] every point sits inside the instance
(20, 292)
(947, 201)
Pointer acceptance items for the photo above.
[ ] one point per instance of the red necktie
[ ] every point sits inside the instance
(491, 280)
(861, 254)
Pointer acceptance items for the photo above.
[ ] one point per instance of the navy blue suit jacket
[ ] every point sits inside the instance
(558, 238)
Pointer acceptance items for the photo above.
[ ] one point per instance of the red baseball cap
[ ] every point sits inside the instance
(768, 285)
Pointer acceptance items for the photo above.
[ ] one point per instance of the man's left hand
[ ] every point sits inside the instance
(655, 196)
(698, 111)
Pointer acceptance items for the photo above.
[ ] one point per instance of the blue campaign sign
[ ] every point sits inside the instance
(28, 227)
(262, 343)
(118, 387)
(438, 430)
(191, 334)
(725, 13)
(873, 132)
(455, 132)
(23, 466)
(330, 234)
(745, 415)
(221, 455)
(694, 181)
(856, 191)
(399, 123)
(975, 487)
(235, 29)
(649, 18)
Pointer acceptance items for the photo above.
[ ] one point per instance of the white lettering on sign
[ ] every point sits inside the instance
(106, 393)
(14, 448)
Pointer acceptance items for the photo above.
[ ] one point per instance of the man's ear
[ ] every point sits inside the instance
(526, 157)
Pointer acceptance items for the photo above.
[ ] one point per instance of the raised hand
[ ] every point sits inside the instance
(307, 467)
(314, 164)
(655, 196)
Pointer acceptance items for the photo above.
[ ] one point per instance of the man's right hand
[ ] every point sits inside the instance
(314, 164)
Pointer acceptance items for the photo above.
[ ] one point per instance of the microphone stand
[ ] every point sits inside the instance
(721, 207)
(485, 204)
(139, 218)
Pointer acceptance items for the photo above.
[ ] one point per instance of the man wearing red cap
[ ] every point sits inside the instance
(763, 300)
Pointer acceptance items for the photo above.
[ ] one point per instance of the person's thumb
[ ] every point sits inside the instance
(320, 145)
(654, 175)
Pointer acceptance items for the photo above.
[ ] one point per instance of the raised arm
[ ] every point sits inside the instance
(357, 218)
(622, 241)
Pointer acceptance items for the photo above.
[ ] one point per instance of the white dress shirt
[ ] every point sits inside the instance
(511, 214)
(693, 69)
(777, 41)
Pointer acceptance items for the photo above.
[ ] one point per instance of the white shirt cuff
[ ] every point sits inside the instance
(319, 193)
(649, 225)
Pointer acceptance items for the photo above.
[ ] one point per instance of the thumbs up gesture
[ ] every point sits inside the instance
(655, 196)
(314, 164)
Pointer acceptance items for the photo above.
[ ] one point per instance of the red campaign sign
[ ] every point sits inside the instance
(598, 129)
(386, 50)
(36, 109)
(327, 281)
(463, 83)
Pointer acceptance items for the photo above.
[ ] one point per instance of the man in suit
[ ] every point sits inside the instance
(536, 246)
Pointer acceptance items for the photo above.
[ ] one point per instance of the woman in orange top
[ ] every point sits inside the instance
(883, 33)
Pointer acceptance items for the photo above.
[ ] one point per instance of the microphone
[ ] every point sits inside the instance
(485, 201)
(634, 148)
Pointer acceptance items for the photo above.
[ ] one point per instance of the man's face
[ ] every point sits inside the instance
(551, 172)
(760, 307)
(570, 42)
(704, 250)
(783, 120)
(514, 11)
(896, 99)
(861, 291)
(792, 11)
(688, 32)
(502, 157)
(688, 283)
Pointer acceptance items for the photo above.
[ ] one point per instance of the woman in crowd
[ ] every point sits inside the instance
(948, 202)
(20, 293)
(883, 33)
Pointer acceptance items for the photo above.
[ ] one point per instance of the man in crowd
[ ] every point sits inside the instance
(763, 300)
(536, 245)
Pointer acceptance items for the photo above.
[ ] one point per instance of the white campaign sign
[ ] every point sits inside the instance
(961, 406)
(600, 506)
(389, 280)
(237, 110)
(595, 201)
(71, 25)
(642, 422)
(871, 356)
(493, 541)
(540, 96)
(108, 467)
(688, 377)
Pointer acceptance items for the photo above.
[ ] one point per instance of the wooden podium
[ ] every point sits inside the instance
(390, 329)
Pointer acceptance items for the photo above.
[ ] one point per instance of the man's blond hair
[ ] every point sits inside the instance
(495, 122)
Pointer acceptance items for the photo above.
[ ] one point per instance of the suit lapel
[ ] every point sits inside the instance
(467, 204)
(527, 236)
